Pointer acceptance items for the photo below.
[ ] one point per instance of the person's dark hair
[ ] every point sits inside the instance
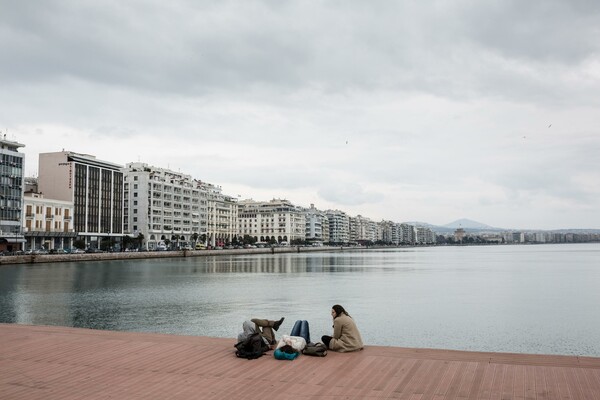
(339, 310)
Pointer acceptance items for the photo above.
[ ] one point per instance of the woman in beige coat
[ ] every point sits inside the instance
(346, 336)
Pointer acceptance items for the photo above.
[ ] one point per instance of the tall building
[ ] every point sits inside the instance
(271, 221)
(317, 225)
(408, 234)
(339, 226)
(96, 189)
(12, 164)
(164, 206)
(362, 229)
(222, 215)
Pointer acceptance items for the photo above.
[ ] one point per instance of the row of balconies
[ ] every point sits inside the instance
(48, 216)
(25, 229)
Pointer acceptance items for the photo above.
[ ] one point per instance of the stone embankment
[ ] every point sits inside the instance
(50, 258)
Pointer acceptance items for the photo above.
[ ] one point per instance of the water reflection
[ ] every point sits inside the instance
(523, 299)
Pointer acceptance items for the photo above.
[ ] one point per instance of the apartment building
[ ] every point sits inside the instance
(408, 234)
(12, 164)
(163, 206)
(362, 229)
(222, 215)
(389, 232)
(48, 223)
(272, 221)
(95, 188)
(424, 235)
(339, 226)
(317, 225)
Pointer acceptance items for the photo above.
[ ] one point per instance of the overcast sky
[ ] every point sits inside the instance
(399, 110)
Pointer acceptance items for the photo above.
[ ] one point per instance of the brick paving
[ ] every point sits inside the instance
(42, 362)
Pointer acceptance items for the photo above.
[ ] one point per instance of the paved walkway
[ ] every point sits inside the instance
(41, 362)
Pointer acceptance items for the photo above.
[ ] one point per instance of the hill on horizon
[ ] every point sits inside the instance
(466, 223)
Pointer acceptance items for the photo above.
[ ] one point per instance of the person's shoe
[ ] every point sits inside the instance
(278, 323)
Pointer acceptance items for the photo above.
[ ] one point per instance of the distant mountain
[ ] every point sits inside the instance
(469, 224)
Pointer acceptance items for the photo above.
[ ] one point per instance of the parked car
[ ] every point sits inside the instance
(94, 250)
(200, 246)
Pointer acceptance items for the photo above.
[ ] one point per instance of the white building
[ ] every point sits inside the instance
(339, 226)
(164, 206)
(362, 229)
(390, 232)
(317, 225)
(94, 187)
(273, 221)
(424, 235)
(222, 215)
(408, 234)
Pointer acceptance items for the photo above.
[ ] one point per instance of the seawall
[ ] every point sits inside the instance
(52, 258)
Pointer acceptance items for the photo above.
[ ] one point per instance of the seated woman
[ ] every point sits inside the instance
(264, 326)
(346, 336)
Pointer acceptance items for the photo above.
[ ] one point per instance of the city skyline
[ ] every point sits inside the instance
(408, 112)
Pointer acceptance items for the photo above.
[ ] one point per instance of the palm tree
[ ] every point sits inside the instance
(140, 240)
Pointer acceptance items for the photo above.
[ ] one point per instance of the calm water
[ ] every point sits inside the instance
(529, 299)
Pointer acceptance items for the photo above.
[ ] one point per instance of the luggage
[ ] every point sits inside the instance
(315, 349)
(252, 347)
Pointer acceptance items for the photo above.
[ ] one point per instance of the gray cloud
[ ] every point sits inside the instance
(348, 194)
(384, 107)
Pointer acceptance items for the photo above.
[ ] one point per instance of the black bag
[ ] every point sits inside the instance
(252, 347)
(315, 349)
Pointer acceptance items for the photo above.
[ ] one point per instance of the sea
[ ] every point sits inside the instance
(538, 299)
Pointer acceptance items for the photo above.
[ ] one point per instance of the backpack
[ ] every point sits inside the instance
(252, 347)
(315, 349)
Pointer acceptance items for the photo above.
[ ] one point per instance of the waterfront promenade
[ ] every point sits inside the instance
(42, 362)
(134, 255)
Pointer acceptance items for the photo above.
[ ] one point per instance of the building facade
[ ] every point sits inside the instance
(317, 226)
(222, 216)
(12, 164)
(94, 187)
(164, 206)
(362, 230)
(48, 223)
(274, 221)
(339, 226)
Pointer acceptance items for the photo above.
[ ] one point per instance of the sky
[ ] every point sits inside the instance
(425, 111)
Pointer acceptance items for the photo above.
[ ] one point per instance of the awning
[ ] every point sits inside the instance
(12, 240)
